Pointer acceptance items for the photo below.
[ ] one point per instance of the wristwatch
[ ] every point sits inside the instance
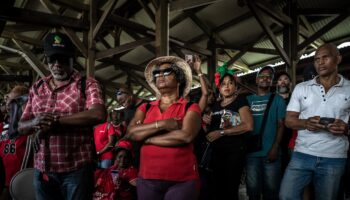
(222, 133)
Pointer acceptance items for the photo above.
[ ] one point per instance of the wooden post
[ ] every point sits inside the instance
(162, 29)
(90, 68)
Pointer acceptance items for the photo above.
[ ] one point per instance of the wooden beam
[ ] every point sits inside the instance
(76, 41)
(90, 69)
(272, 12)
(188, 4)
(102, 66)
(162, 29)
(16, 28)
(199, 23)
(212, 60)
(123, 48)
(25, 39)
(36, 18)
(126, 65)
(261, 20)
(323, 30)
(135, 36)
(119, 75)
(14, 65)
(33, 61)
(75, 5)
(106, 13)
(177, 50)
(323, 11)
(4, 55)
(141, 29)
(148, 11)
(253, 49)
(15, 78)
(223, 26)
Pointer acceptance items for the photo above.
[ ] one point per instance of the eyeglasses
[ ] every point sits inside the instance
(268, 76)
(118, 93)
(62, 59)
(166, 72)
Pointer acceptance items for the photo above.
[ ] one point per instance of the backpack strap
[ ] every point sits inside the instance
(148, 106)
(83, 86)
(35, 87)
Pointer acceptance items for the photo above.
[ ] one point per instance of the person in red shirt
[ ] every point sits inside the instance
(105, 138)
(62, 108)
(118, 122)
(168, 168)
(119, 181)
(12, 149)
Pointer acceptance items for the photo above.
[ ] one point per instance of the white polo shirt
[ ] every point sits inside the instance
(309, 99)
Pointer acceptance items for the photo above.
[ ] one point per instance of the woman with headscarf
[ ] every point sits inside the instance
(230, 119)
(167, 126)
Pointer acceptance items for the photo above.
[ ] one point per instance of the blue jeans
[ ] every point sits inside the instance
(104, 164)
(263, 177)
(77, 185)
(303, 168)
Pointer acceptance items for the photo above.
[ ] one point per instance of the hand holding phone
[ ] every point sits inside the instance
(326, 120)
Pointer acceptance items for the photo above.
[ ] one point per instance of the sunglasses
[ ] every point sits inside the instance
(166, 72)
(118, 93)
(58, 58)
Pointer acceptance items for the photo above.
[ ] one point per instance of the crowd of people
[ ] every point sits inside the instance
(283, 142)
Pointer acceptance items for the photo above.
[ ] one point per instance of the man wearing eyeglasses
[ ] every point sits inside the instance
(130, 102)
(61, 113)
(264, 166)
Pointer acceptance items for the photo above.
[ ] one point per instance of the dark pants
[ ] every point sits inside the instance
(75, 185)
(166, 190)
(227, 172)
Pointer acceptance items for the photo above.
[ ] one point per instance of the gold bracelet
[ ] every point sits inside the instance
(157, 125)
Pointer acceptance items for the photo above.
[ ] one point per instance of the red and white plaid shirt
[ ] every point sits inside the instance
(67, 148)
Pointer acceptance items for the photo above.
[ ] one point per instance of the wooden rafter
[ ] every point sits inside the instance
(104, 16)
(186, 4)
(323, 30)
(147, 9)
(272, 12)
(37, 65)
(36, 18)
(263, 23)
(15, 78)
(123, 48)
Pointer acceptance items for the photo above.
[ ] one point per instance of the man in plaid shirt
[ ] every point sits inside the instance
(61, 114)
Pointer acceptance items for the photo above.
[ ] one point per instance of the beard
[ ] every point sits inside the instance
(283, 89)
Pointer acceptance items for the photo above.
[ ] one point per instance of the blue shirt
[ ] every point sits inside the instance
(276, 113)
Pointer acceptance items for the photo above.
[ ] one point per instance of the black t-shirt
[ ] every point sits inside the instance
(227, 117)
(129, 112)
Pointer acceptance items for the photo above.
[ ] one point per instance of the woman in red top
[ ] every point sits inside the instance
(167, 126)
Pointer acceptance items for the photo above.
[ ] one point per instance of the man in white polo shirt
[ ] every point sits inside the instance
(319, 109)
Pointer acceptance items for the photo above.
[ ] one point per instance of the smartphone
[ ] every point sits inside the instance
(326, 120)
(189, 58)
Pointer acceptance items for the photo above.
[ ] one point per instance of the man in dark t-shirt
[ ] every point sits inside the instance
(130, 102)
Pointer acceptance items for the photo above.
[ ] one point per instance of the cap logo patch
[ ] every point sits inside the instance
(57, 42)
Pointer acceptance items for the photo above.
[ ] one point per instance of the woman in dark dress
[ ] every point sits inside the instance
(230, 119)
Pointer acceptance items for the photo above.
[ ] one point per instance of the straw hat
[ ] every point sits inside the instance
(182, 64)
